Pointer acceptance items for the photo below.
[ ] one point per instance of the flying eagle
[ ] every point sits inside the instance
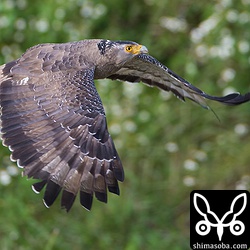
(53, 120)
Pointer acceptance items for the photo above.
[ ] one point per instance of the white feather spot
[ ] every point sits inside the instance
(24, 81)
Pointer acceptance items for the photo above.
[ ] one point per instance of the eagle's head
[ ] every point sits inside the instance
(119, 52)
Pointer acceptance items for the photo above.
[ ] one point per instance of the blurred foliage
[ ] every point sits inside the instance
(168, 148)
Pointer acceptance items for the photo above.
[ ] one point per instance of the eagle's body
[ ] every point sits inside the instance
(53, 120)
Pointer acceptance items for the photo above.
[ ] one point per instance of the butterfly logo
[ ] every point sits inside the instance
(210, 219)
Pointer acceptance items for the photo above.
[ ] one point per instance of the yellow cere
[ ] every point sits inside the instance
(136, 49)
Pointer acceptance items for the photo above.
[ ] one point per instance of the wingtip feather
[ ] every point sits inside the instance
(51, 193)
(86, 200)
(230, 99)
(37, 187)
(67, 200)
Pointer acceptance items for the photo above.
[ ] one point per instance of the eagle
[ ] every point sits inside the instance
(53, 120)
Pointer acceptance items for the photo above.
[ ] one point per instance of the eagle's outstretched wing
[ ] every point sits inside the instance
(147, 69)
(54, 124)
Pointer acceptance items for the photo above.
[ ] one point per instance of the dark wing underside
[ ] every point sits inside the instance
(55, 126)
(147, 69)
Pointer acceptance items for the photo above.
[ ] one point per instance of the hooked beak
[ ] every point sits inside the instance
(139, 49)
(143, 49)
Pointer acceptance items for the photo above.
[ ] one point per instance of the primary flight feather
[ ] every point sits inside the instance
(53, 121)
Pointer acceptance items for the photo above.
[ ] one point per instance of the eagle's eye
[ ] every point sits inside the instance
(129, 48)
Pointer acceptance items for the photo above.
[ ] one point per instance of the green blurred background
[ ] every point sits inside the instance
(168, 148)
